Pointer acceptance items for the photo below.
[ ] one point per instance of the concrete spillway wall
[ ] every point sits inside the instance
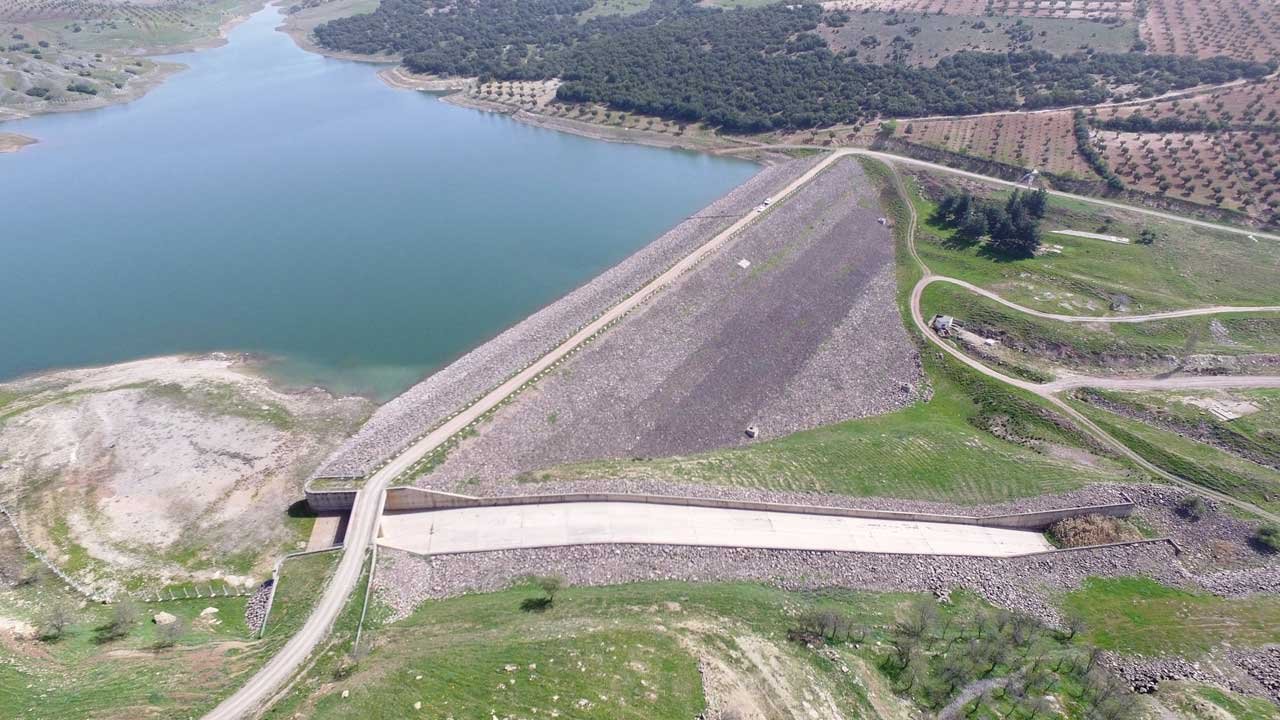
(331, 500)
(402, 499)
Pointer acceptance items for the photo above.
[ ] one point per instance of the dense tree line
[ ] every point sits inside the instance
(743, 70)
(1011, 229)
(1091, 155)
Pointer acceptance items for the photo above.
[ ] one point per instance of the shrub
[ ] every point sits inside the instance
(124, 616)
(1193, 507)
(55, 622)
(1267, 536)
(1091, 530)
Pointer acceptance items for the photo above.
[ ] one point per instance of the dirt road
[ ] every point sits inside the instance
(1167, 315)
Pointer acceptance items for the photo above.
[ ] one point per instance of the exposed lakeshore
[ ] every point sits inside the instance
(138, 81)
(12, 142)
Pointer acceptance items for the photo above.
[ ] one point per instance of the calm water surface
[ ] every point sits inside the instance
(275, 201)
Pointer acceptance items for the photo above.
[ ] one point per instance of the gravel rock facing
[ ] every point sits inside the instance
(1263, 666)
(806, 334)
(403, 580)
(255, 611)
(426, 404)
(1096, 494)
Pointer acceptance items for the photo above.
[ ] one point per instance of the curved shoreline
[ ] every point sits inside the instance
(142, 85)
(13, 142)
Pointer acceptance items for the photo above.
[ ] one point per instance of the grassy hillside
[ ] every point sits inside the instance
(1185, 267)
(634, 651)
(86, 673)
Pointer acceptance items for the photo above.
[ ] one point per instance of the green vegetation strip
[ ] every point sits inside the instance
(1192, 461)
(942, 450)
(1139, 615)
(1185, 267)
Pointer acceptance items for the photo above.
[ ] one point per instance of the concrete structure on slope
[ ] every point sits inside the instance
(481, 529)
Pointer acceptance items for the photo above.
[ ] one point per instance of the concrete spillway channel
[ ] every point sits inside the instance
(483, 529)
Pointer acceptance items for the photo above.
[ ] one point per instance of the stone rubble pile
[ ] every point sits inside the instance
(255, 611)
(405, 580)
(1144, 674)
(1263, 666)
(1244, 581)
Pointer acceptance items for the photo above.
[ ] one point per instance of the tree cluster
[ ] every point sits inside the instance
(1091, 155)
(934, 654)
(1011, 229)
(744, 70)
(1139, 123)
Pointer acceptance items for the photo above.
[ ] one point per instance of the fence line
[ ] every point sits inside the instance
(71, 582)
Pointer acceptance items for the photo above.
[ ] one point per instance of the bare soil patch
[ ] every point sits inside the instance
(12, 142)
(166, 468)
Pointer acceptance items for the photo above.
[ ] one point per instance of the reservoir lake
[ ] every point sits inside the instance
(274, 201)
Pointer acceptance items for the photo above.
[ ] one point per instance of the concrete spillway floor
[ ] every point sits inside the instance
(439, 532)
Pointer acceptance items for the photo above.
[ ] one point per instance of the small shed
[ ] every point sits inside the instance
(942, 324)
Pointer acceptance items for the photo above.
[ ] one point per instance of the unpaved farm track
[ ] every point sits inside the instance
(364, 515)
(1049, 391)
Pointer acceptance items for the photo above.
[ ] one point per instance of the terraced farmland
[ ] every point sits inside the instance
(1030, 140)
(1234, 170)
(1096, 9)
(1252, 105)
(1245, 29)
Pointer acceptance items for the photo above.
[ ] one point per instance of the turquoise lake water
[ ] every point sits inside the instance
(275, 201)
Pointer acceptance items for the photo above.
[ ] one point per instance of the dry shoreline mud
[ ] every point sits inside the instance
(593, 131)
(12, 142)
(176, 467)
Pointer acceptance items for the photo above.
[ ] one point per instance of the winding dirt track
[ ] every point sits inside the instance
(1049, 391)
(258, 691)
(1168, 315)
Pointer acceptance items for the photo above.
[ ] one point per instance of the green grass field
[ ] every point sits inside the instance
(615, 7)
(1205, 702)
(1139, 615)
(126, 28)
(934, 37)
(1255, 436)
(1190, 460)
(627, 651)
(634, 651)
(78, 676)
(1186, 267)
(1043, 344)
(941, 450)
